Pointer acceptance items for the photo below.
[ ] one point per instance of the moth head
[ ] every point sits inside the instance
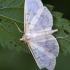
(24, 38)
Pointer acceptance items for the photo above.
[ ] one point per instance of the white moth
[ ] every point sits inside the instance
(38, 22)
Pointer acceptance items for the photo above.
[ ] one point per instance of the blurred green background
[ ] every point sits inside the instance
(12, 60)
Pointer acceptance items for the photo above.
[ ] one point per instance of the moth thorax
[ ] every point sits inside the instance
(25, 38)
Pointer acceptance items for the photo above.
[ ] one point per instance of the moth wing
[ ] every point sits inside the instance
(45, 51)
(44, 22)
(30, 9)
(48, 42)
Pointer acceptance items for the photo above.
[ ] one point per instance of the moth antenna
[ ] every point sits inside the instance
(18, 28)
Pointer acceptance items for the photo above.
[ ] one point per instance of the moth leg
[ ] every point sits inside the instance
(62, 37)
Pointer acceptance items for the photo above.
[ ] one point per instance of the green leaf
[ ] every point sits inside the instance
(13, 11)
(63, 34)
(10, 3)
(50, 7)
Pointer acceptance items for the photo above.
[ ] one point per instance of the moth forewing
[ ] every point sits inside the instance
(24, 22)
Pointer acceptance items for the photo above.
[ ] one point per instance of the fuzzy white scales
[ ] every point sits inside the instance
(38, 22)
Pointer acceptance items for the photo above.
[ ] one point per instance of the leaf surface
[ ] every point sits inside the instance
(13, 11)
